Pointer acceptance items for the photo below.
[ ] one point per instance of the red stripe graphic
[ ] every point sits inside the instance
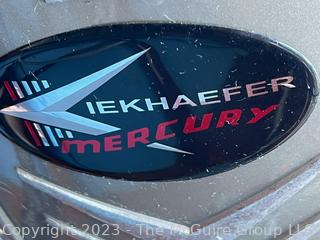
(33, 133)
(10, 91)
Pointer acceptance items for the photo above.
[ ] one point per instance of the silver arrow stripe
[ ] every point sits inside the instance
(50, 108)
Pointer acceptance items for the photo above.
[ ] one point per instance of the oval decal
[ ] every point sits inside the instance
(154, 101)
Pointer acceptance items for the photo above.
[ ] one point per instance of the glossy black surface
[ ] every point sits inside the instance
(182, 59)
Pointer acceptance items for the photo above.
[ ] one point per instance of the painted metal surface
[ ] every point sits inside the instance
(293, 23)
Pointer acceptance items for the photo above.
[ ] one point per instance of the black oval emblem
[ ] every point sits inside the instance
(154, 101)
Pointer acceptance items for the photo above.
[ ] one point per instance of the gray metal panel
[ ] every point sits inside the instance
(295, 23)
